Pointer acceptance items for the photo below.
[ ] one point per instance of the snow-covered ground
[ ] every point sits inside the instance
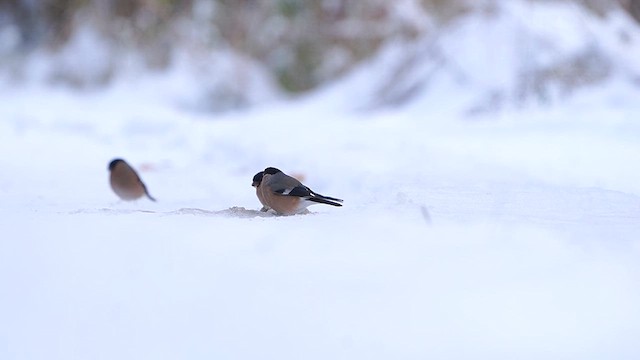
(515, 236)
(510, 234)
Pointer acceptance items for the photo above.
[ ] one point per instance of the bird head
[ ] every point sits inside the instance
(257, 179)
(114, 162)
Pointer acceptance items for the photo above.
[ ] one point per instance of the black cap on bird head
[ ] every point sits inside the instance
(113, 163)
(257, 179)
(271, 171)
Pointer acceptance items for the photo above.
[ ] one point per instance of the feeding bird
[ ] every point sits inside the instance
(286, 195)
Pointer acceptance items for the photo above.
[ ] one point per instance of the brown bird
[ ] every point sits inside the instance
(125, 182)
(257, 179)
(286, 195)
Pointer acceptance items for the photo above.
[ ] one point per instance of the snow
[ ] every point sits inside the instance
(509, 234)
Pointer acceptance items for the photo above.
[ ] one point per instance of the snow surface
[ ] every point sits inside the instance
(508, 235)
(513, 237)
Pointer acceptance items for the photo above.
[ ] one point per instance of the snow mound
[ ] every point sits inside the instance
(509, 55)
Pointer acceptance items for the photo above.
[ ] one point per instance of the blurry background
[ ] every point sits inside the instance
(244, 52)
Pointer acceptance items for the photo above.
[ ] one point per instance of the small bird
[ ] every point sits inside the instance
(257, 179)
(288, 196)
(125, 182)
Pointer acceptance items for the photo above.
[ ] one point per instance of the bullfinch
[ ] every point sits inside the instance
(125, 182)
(286, 195)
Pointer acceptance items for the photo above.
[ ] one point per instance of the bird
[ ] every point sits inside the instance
(288, 196)
(125, 182)
(257, 179)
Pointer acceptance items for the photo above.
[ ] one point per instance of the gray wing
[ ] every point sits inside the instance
(283, 184)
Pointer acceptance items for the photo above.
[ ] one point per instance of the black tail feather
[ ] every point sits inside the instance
(330, 198)
(146, 192)
(324, 200)
(325, 197)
